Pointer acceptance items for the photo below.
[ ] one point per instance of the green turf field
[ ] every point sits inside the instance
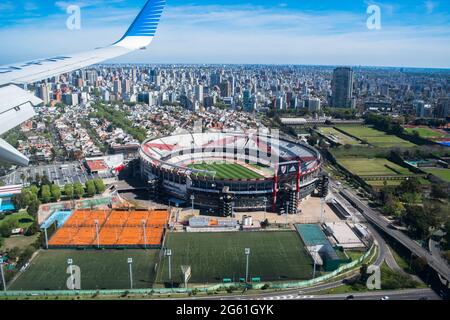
(227, 170)
(106, 269)
(214, 256)
(376, 138)
(443, 174)
(426, 133)
(372, 167)
(365, 167)
(341, 138)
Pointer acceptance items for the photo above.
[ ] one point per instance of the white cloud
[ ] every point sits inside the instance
(430, 6)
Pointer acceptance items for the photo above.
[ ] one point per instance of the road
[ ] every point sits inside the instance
(412, 294)
(436, 251)
(442, 268)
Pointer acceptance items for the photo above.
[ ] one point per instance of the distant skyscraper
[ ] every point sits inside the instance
(117, 87)
(314, 104)
(216, 79)
(225, 89)
(247, 101)
(43, 93)
(443, 109)
(199, 93)
(126, 86)
(342, 88)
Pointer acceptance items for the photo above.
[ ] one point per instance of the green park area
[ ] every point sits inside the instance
(375, 137)
(426, 133)
(376, 171)
(441, 173)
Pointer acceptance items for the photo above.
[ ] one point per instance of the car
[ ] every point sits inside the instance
(385, 298)
(350, 297)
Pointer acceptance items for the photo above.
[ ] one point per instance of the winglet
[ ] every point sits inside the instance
(141, 32)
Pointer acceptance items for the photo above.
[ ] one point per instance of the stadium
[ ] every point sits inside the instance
(220, 172)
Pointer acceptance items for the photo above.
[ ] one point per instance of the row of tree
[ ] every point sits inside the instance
(31, 198)
(422, 215)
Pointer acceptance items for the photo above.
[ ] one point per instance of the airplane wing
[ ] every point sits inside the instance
(16, 104)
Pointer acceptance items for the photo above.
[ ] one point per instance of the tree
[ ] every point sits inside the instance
(68, 190)
(437, 191)
(78, 190)
(394, 208)
(33, 208)
(99, 185)
(46, 194)
(90, 188)
(56, 192)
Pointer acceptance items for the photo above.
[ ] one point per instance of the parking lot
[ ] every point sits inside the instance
(60, 174)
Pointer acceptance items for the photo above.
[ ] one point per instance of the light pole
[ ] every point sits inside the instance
(287, 212)
(130, 265)
(70, 263)
(97, 233)
(247, 254)
(3, 275)
(145, 232)
(193, 199)
(232, 209)
(315, 257)
(169, 256)
(265, 207)
(46, 238)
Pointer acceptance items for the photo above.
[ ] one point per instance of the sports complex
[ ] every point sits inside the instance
(230, 171)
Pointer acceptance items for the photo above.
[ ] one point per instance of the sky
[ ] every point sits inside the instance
(413, 33)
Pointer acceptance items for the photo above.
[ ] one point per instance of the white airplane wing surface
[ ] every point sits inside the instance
(16, 104)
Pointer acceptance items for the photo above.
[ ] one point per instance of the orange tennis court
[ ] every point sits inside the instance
(112, 229)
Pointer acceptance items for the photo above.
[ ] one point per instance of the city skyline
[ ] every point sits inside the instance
(413, 33)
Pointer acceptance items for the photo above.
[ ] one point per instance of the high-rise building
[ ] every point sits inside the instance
(443, 109)
(117, 87)
(342, 88)
(314, 104)
(43, 93)
(247, 101)
(126, 86)
(199, 93)
(216, 79)
(225, 89)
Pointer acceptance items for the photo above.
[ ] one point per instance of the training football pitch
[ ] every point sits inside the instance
(215, 256)
(338, 136)
(106, 269)
(443, 174)
(231, 171)
(426, 133)
(375, 137)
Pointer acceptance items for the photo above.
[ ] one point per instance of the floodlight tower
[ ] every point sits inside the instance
(169, 256)
(193, 199)
(97, 233)
(144, 227)
(265, 200)
(70, 263)
(287, 212)
(3, 275)
(247, 254)
(46, 238)
(130, 265)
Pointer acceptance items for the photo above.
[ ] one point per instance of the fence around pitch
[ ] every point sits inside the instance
(164, 291)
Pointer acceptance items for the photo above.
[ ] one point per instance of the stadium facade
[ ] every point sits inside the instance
(201, 167)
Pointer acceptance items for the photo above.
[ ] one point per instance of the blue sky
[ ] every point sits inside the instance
(413, 32)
